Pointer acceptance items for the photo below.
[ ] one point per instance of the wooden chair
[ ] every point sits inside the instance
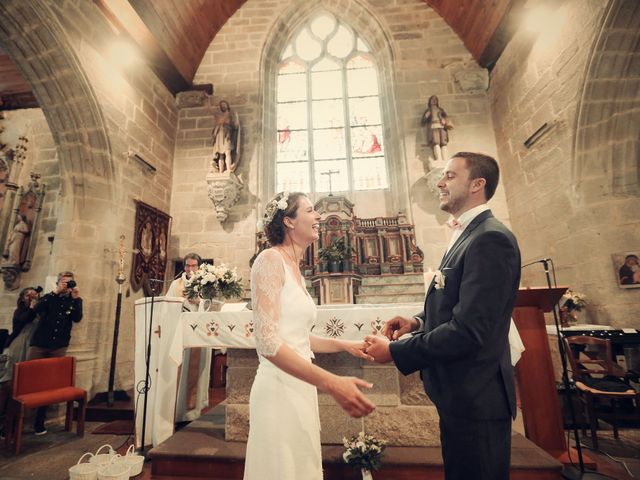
(591, 360)
(37, 383)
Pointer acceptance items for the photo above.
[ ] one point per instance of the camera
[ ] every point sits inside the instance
(38, 289)
(71, 284)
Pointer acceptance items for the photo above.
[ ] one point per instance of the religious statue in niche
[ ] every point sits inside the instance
(20, 245)
(226, 140)
(149, 249)
(437, 125)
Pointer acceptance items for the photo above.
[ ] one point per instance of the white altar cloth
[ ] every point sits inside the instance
(216, 330)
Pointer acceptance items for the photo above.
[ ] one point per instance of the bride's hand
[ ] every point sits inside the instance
(346, 392)
(356, 348)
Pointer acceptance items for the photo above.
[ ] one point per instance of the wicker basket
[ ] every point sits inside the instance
(116, 470)
(101, 459)
(84, 471)
(133, 460)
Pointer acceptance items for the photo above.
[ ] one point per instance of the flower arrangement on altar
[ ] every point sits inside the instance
(364, 452)
(573, 302)
(213, 281)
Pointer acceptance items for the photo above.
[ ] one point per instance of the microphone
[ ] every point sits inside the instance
(542, 260)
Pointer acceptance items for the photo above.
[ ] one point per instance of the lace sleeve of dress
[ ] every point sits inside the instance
(267, 279)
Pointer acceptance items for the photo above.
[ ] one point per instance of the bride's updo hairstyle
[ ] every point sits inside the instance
(284, 204)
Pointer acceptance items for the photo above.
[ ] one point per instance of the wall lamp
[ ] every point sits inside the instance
(537, 135)
(136, 156)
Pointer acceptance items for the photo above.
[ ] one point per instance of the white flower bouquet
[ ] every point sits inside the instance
(213, 281)
(364, 451)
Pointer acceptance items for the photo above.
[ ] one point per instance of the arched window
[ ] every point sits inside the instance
(328, 112)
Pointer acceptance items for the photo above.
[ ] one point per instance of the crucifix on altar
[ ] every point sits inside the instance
(329, 173)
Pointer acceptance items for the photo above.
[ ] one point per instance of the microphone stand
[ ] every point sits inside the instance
(569, 471)
(146, 375)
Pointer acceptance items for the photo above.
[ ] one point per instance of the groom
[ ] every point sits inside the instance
(459, 342)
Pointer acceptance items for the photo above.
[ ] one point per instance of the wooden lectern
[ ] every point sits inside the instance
(536, 381)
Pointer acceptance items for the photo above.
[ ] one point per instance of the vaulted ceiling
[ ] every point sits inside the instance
(173, 35)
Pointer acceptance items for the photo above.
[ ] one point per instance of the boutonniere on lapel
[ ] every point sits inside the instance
(439, 279)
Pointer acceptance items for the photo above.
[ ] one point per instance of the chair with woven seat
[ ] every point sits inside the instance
(599, 380)
(42, 382)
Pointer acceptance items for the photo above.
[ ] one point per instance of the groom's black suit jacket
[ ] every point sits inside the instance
(462, 350)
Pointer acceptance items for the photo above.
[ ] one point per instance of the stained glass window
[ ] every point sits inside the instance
(328, 112)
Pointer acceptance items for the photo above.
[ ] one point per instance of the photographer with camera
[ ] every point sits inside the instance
(25, 312)
(58, 311)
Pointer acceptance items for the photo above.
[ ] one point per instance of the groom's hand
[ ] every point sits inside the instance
(378, 348)
(396, 327)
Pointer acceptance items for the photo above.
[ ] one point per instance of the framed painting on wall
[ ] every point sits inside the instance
(149, 249)
(627, 269)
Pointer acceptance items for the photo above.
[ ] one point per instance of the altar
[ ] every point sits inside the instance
(172, 331)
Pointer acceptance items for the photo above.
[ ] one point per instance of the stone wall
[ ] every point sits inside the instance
(418, 55)
(572, 195)
(96, 111)
(40, 158)
(404, 415)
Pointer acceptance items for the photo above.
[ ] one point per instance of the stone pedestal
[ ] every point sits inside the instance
(404, 415)
(224, 190)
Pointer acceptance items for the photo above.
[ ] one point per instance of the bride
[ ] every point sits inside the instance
(284, 432)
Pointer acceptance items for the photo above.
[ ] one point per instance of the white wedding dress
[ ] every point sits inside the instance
(284, 431)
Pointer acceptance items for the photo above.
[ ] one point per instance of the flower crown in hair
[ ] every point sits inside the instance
(280, 202)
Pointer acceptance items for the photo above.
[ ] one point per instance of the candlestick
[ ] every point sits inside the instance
(121, 251)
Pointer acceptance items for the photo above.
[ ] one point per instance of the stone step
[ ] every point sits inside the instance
(410, 278)
(393, 288)
(391, 298)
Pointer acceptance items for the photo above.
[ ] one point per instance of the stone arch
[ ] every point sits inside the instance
(35, 41)
(32, 36)
(607, 142)
(365, 22)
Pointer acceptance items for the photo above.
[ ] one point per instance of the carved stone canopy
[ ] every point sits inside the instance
(224, 191)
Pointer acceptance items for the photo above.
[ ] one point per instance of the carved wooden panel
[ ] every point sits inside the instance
(150, 249)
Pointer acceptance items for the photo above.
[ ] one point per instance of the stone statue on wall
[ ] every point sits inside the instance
(18, 241)
(437, 124)
(226, 140)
